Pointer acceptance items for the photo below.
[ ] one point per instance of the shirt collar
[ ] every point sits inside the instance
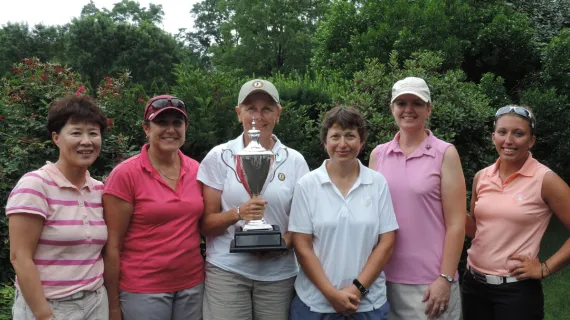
(528, 169)
(426, 147)
(61, 181)
(147, 165)
(364, 174)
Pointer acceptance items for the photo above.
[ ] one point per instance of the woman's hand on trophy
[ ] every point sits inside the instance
(253, 209)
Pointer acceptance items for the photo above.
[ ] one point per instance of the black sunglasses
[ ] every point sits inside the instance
(161, 103)
(521, 111)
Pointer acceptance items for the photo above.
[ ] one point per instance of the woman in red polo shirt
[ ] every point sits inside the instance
(152, 205)
(511, 205)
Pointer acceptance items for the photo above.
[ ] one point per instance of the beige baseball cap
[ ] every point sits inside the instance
(411, 85)
(258, 85)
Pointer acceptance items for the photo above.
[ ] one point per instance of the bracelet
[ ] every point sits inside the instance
(541, 271)
(239, 215)
(547, 268)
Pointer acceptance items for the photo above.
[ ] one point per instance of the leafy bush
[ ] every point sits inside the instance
(6, 301)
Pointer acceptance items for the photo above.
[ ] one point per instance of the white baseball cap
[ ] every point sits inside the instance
(258, 85)
(411, 85)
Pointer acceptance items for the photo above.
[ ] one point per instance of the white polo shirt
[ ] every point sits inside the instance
(279, 193)
(345, 231)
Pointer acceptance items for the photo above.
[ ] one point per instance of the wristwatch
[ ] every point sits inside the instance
(446, 277)
(360, 287)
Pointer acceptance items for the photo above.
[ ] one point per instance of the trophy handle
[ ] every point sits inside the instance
(227, 165)
(282, 162)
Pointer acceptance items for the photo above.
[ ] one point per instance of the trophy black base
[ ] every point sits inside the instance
(258, 241)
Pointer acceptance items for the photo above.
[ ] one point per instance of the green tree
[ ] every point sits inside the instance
(19, 41)
(257, 36)
(548, 16)
(556, 71)
(102, 42)
(353, 31)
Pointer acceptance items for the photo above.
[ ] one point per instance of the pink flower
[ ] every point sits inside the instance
(80, 91)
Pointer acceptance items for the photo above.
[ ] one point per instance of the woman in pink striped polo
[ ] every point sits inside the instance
(56, 222)
(428, 192)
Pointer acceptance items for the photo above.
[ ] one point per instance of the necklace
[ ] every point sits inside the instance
(164, 174)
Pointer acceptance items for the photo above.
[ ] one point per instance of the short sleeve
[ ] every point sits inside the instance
(302, 167)
(212, 171)
(120, 183)
(29, 196)
(386, 215)
(300, 217)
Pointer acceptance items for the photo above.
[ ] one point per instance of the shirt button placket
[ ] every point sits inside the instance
(85, 218)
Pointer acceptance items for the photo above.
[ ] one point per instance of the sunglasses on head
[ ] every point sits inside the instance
(161, 103)
(521, 111)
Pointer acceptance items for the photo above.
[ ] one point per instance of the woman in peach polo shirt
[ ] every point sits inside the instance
(511, 206)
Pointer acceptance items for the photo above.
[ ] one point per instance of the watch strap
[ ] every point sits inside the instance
(360, 287)
(446, 277)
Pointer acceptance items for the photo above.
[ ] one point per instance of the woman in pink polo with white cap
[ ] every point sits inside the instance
(428, 193)
(152, 205)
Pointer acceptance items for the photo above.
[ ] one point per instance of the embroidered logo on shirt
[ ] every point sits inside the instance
(281, 176)
(365, 201)
(520, 197)
(428, 147)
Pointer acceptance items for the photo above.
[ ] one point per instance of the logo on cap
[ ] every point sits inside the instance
(257, 84)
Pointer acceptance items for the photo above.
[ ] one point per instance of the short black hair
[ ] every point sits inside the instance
(75, 108)
(348, 118)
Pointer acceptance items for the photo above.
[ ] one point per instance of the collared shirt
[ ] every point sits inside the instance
(345, 231)
(415, 186)
(214, 173)
(511, 217)
(161, 248)
(68, 254)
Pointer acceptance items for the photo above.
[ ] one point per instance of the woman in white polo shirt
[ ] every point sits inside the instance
(243, 286)
(56, 222)
(344, 239)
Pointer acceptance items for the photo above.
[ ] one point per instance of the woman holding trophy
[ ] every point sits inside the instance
(245, 286)
(343, 240)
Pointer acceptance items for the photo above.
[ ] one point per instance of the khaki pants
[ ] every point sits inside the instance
(406, 302)
(230, 296)
(89, 305)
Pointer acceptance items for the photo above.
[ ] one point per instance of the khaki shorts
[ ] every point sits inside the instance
(406, 302)
(84, 305)
(231, 296)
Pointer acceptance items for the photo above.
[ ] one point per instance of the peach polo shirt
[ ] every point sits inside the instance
(511, 217)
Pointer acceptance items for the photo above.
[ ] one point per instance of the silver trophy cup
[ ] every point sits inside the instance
(255, 169)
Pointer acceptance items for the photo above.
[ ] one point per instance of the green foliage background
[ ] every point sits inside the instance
(475, 55)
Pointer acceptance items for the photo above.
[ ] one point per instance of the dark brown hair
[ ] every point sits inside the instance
(347, 118)
(75, 109)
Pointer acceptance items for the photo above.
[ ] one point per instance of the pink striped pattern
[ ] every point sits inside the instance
(68, 254)
(73, 223)
(72, 282)
(64, 262)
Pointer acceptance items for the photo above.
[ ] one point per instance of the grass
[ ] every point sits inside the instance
(556, 306)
